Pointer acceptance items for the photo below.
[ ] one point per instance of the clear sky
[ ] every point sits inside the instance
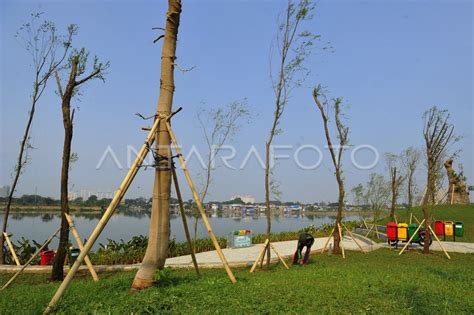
(392, 61)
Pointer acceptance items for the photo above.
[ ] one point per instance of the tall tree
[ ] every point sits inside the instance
(293, 46)
(410, 160)
(396, 180)
(438, 133)
(335, 150)
(48, 50)
(159, 231)
(218, 126)
(77, 68)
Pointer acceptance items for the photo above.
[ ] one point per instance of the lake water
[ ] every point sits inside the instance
(39, 226)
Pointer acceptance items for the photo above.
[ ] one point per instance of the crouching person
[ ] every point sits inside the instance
(305, 240)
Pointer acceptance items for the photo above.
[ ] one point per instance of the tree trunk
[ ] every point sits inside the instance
(340, 208)
(425, 206)
(393, 174)
(57, 273)
(268, 211)
(159, 231)
(18, 169)
(410, 190)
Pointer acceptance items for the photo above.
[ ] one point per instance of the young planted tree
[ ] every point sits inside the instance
(218, 126)
(48, 51)
(410, 160)
(336, 152)
(77, 68)
(438, 133)
(159, 231)
(293, 47)
(396, 180)
(376, 195)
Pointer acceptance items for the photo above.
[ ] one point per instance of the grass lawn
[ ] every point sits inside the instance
(377, 282)
(454, 213)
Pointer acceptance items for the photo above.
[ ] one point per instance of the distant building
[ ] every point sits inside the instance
(4, 191)
(245, 198)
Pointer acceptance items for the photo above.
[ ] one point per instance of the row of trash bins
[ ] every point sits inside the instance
(403, 231)
(47, 256)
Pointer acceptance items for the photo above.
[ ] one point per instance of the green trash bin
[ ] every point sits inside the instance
(459, 229)
(411, 230)
(73, 254)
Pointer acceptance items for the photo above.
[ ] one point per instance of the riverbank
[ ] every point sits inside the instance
(377, 282)
(50, 209)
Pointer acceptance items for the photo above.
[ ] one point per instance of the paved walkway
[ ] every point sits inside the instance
(242, 257)
(247, 256)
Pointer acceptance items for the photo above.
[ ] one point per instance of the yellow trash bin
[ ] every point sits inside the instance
(402, 232)
(448, 228)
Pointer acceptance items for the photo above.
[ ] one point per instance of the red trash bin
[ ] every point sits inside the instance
(439, 227)
(392, 231)
(47, 257)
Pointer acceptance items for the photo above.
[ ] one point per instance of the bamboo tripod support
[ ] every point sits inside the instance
(183, 217)
(12, 249)
(30, 260)
(329, 239)
(106, 216)
(76, 236)
(132, 172)
(261, 255)
(197, 199)
(436, 237)
(411, 238)
(353, 238)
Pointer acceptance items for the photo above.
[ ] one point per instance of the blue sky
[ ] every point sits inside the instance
(392, 61)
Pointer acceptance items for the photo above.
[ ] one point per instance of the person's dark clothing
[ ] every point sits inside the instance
(305, 240)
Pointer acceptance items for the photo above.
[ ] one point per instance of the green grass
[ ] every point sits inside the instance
(454, 213)
(377, 282)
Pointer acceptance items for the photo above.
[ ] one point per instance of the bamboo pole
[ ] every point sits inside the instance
(327, 242)
(12, 249)
(30, 260)
(395, 217)
(376, 230)
(370, 230)
(365, 223)
(411, 216)
(197, 199)
(353, 238)
(183, 217)
(417, 221)
(265, 245)
(340, 243)
(439, 242)
(76, 236)
(278, 255)
(411, 238)
(107, 215)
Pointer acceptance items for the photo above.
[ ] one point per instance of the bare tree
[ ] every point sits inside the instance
(358, 195)
(218, 126)
(438, 133)
(396, 180)
(48, 51)
(335, 150)
(376, 195)
(77, 68)
(159, 231)
(293, 47)
(410, 159)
